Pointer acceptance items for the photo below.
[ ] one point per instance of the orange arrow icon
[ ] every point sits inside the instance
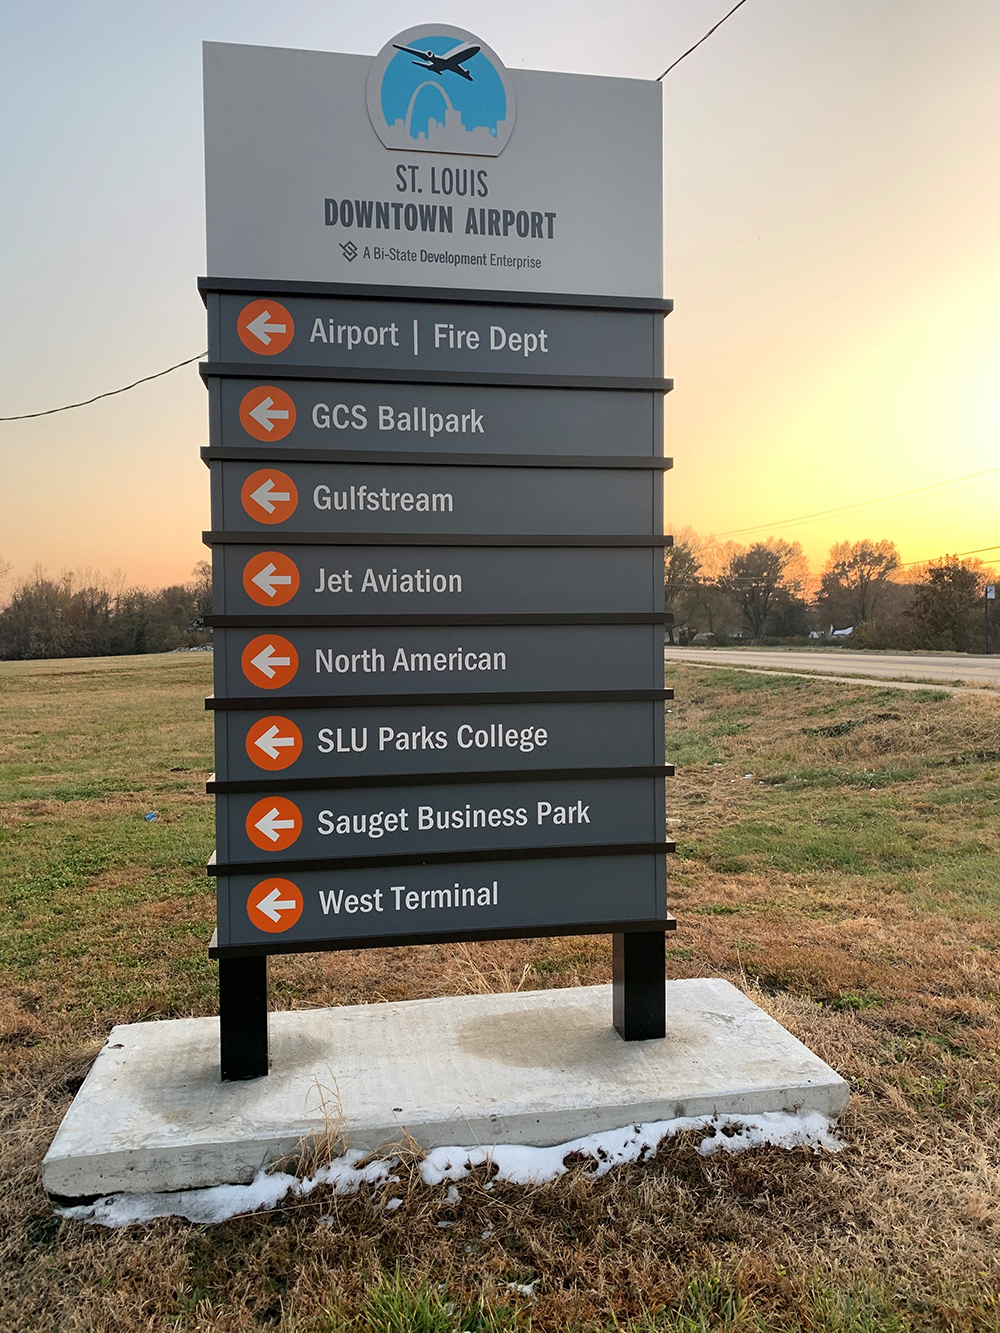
(274, 905)
(265, 327)
(269, 496)
(269, 661)
(267, 413)
(274, 823)
(274, 743)
(270, 578)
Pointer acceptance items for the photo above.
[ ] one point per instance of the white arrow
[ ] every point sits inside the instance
(267, 580)
(273, 905)
(265, 494)
(261, 330)
(265, 412)
(270, 741)
(265, 661)
(270, 823)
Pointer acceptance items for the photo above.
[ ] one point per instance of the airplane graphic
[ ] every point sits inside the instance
(447, 64)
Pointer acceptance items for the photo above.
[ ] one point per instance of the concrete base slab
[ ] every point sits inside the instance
(537, 1067)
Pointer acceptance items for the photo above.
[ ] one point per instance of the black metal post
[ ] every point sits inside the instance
(243, 1017)
(640, 992)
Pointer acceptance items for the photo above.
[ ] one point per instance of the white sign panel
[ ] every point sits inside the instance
(430, 165)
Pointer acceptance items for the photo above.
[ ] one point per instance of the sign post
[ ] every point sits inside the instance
(991, 593)
(435, 382)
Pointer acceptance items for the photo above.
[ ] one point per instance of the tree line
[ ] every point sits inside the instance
(764, 593)
(83, 614)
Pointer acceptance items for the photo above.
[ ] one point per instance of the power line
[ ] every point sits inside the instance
(948, 555)
(700, 40)
(858, 504)
(27, 416)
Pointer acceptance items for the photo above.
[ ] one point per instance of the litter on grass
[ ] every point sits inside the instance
(514, 1164)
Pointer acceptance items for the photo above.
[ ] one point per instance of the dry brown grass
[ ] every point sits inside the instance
(867, 924)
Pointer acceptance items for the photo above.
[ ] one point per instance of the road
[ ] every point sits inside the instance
(944, 668)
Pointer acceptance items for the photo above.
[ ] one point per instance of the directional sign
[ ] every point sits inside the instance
(274, 905)
(380, 821)
(269, 661)
(413, 335)
(273, 743)
(267, 413)
(273, 823)
(441, 418)
(437, 738)
(270, 578)
(410, 659)
(394, 499)
(265, 327)
(428, 580)
(268, 495)
(477, 895)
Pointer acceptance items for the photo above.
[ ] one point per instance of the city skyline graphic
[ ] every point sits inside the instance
(441, 112)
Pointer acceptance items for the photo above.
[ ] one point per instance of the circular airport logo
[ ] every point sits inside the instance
(438, 89)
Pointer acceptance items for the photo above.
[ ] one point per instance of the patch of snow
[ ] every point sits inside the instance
(513, 1163)
(732, 1133)
(218, 1203)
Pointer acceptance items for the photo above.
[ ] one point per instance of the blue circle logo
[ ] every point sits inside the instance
(437, 89)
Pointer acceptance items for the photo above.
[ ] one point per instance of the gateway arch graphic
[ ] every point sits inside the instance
(475, 113)
(427, 83)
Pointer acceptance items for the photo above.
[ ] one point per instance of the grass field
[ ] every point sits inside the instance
(837, 857)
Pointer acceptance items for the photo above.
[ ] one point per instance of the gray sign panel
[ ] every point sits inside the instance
(427, 336)
(441, 418)
(428, 738)
(380, 821)
(586, 150)
(349, 497)
(435, 580)
(422, 900)
(294, 663)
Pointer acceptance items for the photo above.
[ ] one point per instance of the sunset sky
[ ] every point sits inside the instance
(831, 242)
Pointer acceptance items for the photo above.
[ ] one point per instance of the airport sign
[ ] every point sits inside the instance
(346, 416)
(341, 744)
(349, 334)
(309, 825)
(342, 580)
(302, 909)
(409, 498)
(347, 662)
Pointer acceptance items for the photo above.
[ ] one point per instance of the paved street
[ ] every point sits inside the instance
(946, 668)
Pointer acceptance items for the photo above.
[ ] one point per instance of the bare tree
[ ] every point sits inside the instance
(680, 572)
(755, 579)
(856, 576)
